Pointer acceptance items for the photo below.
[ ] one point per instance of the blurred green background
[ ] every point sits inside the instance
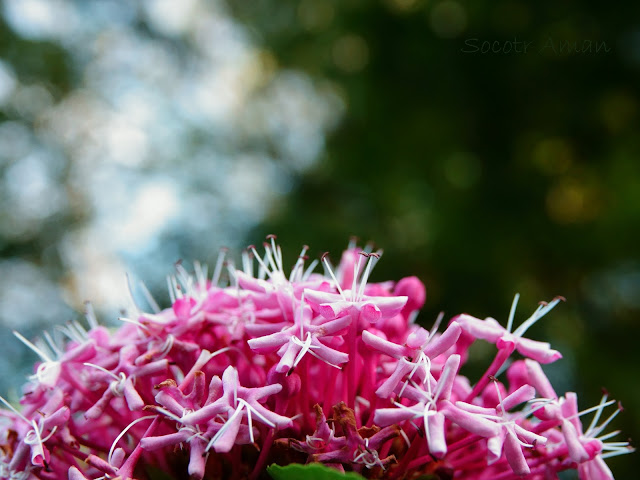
(132, 135)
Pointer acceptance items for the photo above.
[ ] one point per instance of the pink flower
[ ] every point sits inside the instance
(491, 331)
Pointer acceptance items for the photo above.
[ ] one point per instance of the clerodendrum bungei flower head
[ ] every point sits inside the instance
(273, 366)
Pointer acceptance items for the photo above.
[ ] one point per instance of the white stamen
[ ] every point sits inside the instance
(540, 312)
(512, 312)
(215, 278)
(102, 369)
(126, 429)
(224, 427)
(335, 280)
(90, 315)
(149, 298)
(43, 356)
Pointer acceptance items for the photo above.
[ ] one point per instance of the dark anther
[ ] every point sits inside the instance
(492, 378)
(543, 303)
(620, 407)
(604, 391)
(373, 254)
(305, 247)
(304, 257)
(364, 254)
(324, 255)
(266, 245)
(251, 247)
(561, 298)
(271, 236)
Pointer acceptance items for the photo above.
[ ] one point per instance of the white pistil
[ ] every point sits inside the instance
(149, 298)
(224, 428)
(172, 295)
(309, 270)
(201, 272)
(330, 270)
(373, 258)
(217, 271)
(306, 347)
(512, 312)
(299, 265)
(540, 312)
(43, 356)
(135, 322)
(117, 386)
(90, 315)
(247, 263)
(126, 429)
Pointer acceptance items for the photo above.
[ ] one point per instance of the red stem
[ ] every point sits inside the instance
(501, 357)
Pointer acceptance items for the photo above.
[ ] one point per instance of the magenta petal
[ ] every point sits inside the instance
(226, 441)
(389, 385)
(513, 452)
(182, 307)
(569, 409)
(488, 329)
(495, 446)
(75, 474)
(539, 380)
(389, 416)
(445, 382)
(329, 354)
(576, 451)
(384, 346)
(538, 351)
(316, 298)
(388, 306)
(522, 394)
(268, 343)
(444, 342)
(415, 291)
(197, 460)
(370, 313)
(134, 401)
(154, 443)
(417, 338)
(595, 469)
(471, 422)
(287, 354)
(436, 438)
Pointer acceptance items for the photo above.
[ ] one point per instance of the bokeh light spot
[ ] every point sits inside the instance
(404, 6)
(617, 109)
(448, 19)
(315, 16)
(462, 170)
(573, 201)
(553, 156)
(351, 53)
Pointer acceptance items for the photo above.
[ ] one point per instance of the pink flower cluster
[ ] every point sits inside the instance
(304, 367)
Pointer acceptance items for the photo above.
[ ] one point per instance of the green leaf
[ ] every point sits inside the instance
(312, 471)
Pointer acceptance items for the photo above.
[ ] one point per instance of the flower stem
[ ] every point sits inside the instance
(501, 357)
